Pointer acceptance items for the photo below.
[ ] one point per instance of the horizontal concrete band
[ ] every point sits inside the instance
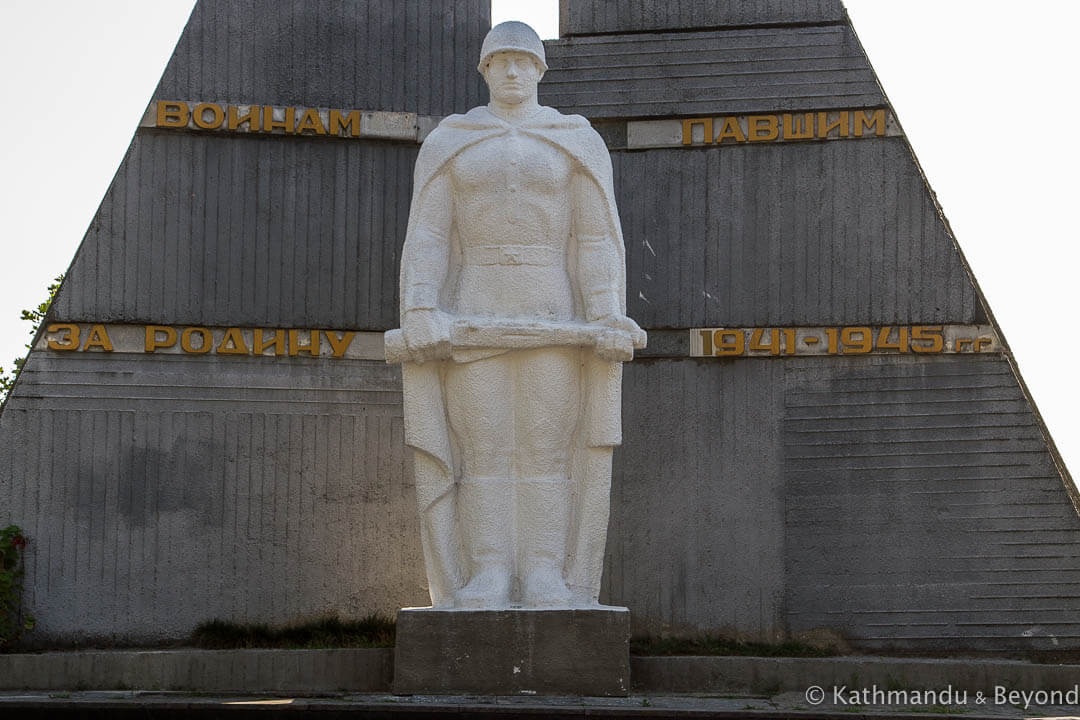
(771, 676)
(228, 671)
(313, 672)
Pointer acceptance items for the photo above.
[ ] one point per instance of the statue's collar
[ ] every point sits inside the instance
(483, 118)
(512, 118)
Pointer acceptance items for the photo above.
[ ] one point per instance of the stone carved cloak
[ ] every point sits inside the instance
(426, 427)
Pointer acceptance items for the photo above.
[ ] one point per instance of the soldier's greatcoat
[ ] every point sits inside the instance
(426, 426)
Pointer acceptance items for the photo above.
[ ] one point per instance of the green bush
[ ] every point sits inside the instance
(35, 316)
(13, 623)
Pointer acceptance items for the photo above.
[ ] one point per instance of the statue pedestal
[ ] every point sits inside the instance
(513, 652)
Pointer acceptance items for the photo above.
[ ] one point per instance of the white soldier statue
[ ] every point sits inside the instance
(513, 331)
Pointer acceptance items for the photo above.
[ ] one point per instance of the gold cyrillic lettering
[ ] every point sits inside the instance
(204, 334)
(340, 345)
(69, 341)
(312, 348)
(238, 347)
(270, 124)
(792, 131)
(278, 342)
(824, 127)
(172, 114)
(311, 121)
(199, 116)
(252, 118)
(865, 119)
(688, 129)
(731, 129)
(338, 122)
(98, 338)
(152, 342)
(763, 128)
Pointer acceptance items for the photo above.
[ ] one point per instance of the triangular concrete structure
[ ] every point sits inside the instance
(160, 489)
(907, 496)
(900, 500)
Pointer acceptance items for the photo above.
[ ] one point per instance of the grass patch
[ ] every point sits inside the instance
(373, 631)
(713, 645)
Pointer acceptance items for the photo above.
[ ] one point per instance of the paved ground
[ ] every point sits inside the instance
(176, 705)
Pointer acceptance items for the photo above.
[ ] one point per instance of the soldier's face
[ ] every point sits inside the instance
(511, 77)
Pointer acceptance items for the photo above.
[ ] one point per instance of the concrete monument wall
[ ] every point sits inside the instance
(901, 500)
(162, 490)
(696, 71)
(897, 498)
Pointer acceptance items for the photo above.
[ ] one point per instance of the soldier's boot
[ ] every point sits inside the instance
(485, 509)
(543, 518)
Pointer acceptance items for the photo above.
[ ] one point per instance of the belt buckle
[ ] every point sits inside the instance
(510, 256)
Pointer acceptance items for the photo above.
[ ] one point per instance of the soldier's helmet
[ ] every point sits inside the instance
(512, 36)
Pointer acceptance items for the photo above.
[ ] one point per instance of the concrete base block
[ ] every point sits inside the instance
(513, 652)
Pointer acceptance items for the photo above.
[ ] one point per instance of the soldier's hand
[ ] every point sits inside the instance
(427, 334)
(627, 325)
(614, 345)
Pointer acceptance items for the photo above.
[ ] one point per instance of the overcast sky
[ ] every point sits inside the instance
(985, 91)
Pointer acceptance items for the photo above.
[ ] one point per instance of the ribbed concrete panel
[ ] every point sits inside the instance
(709, 73)
(592, 17)
(219, 230)
(159, 491)
(923, 507)
(163, 491)
(366, 54)
(809, 234)
(697, 519)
